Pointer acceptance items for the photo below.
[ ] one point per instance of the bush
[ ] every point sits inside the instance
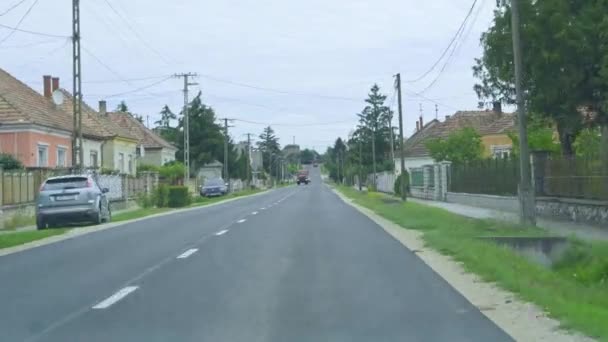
(147, 167)
(8, 162)
(144, 200)
(173, 171)
(179, 196)
(403, 177)
(161, 196)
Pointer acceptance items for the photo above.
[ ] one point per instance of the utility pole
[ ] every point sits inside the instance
(527, 202)
(249, 158)
(185, 76)
(360, 165)
(392, 145)
(226, 171)
(401, 140)
(77, 150)
(436, 112)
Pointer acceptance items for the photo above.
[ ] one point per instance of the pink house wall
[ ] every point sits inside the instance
(24, 146)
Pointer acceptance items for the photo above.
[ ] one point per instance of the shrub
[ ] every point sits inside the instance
(179, 196)
(403, 177)
(8, 162)
(147, 167)
(172, 172)
(161, 196)
(144, 200)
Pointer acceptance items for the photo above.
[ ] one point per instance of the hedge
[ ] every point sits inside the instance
(178, 196)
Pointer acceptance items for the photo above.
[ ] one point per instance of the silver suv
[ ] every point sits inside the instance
(70, 199)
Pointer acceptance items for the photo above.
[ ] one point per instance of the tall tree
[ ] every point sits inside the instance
(122, 107)
(373, 124)
(459, 147)
(269, 145)
(166, 115)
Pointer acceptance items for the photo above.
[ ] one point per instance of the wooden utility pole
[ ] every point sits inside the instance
(401, 140)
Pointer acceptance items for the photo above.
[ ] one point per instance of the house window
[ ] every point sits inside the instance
(61, 156)
(130, 164)
(93, 159)
(121, 162)
(43, 155)
(502, 151)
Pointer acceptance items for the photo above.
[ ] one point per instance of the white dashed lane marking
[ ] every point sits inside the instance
(221, 232)
(241, 221)
(187, 253)
(254, 213)
(122, 293)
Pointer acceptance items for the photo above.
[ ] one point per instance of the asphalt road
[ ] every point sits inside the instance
(294, 264)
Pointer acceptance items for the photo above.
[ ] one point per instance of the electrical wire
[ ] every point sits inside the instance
(19, 22)
(18, 46)
(293, 125)
(17, 29)
(140, 88)
(129, 79)
(278, 91)
(452, 41)
(136, 33)
(12, 7)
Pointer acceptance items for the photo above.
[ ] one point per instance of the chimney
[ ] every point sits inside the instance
(102, 107)
(421, 123)
(447, 117)
(46, 86)
(54, 83)
(417, 126)
(497, 107)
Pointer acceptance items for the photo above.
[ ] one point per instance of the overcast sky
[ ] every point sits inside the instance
(335, 48)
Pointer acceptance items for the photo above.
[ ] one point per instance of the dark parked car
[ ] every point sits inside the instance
(71, 199)
(214, 187)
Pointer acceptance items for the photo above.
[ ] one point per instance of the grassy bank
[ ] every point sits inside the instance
(19, 238)
(574, 291)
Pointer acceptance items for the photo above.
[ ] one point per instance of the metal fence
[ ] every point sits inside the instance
(417, 177)
(489, 176)
(575, 178)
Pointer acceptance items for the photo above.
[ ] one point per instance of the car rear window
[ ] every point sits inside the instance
(214, 182)
(65, 183)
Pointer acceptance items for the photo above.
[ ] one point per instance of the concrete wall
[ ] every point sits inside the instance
(575, 210)
(503, 203)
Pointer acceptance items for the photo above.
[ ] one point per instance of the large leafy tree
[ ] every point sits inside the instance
(459, 147)
(206, 137)
(163, 125)
(269, 145)
(564, 57)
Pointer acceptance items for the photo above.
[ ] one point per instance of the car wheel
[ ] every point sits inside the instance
(109, 217)
(40, 223)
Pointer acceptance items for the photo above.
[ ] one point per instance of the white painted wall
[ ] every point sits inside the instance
(167, 155)
(89, 146)
(412, 163)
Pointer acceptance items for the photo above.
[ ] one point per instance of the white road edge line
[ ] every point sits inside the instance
(221, 232)
(254, 213)
(122, 293)
(241, 221)
(187, 253)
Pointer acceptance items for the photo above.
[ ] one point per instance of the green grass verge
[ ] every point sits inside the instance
(137, 213)
(19, 238)
(574, 291)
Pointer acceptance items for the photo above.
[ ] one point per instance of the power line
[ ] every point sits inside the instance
(140, 88)
(19, 22)
(293, 125)
(12, 7)
(143, 41)
(278, 91)
(126, 79)
(17, 29)
(428, 99)
(449, 58)
(107, 67)
(18, 46)
(452, 41)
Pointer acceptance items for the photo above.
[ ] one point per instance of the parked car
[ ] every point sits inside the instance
(214, 187)
(71, 199)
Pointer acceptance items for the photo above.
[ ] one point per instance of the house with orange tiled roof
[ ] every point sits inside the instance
(152, 149)
(492, 125)
(118, 149)
(33, 128)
